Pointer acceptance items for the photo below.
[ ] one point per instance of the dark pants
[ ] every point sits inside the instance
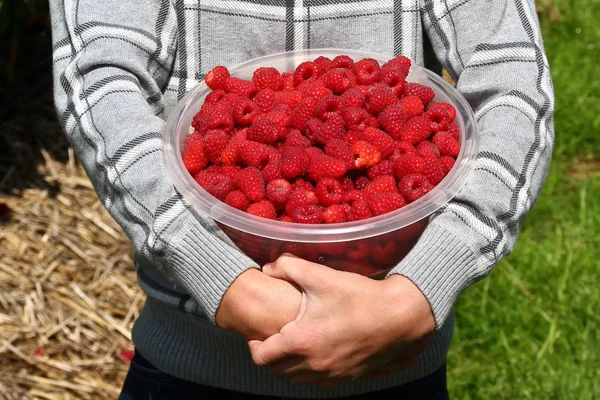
(145, 382)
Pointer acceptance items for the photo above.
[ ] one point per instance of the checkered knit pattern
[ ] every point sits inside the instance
(120, 67)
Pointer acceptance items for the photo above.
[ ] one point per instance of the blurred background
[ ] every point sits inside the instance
(68, 293)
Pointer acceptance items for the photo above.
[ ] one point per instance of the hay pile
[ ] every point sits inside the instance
(68, 291)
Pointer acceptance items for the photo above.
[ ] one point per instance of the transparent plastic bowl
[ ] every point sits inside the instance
(370, 247)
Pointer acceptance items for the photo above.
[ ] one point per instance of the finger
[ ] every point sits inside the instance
(287, 366)
(272, 349)
(308, 377)
(292, 269)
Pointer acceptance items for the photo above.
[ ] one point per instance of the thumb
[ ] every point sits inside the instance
(293, 269)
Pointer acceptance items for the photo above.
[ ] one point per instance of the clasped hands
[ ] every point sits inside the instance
(317, 325)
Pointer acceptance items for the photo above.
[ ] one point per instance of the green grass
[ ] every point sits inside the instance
(532, 329)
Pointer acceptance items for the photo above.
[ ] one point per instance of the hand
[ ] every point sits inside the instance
(257, 305)
(348, 325)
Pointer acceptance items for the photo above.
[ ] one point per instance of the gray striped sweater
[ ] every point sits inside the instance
(120, 67)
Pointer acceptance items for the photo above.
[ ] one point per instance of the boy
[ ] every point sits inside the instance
(121, 66)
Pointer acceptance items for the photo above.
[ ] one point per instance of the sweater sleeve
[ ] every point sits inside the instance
(494, 51)
(112, 59)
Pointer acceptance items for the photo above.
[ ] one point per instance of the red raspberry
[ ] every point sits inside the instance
(394, 78)
(220, 117)
(328, 106)
(267, 78)
(264, 130)
(405, 148)
(303, 112)
(413, 187)
(362, 89)
(231, 154)
(347, 183)
(301, 184)
(432, 170)
(356, 251)
(329, 191)
(272, 170)
(301, 198)
(342, 61)
(232, 99)
(278, 192)
(295, 162)
(251, 182)
(359, 210)
(454, 130)
(306, 72)
(265, 100)
(288, 81)
(213, 144)
(392, 119)
(428, 149)
(237, 199)
(408, 164)
(296, 139)
(386, 167)
(401, 63)
(253, 153)
(355, 118)
(413, 106)
(377, 99)
(438, 117)
(447, 145)
(324, 166)
(361, 182)
(263, 209)
(368, 155)
(416, 130)
(353, 137)
(307, 215)
(290, 98)
(194, 137)
(314, 152)
(194, 158)
(447, 163)
(339, 149)
(367, 71)
(216, 184)
(383, 203)
(332, 129)
(305, 251)
(384, 143)
(244, 112)
(230, 171)
(216, 77)
(312, 129)
(239, 86)
(215, 96)
(381, 184)
(317, 90)
(352, 98)
(339, 80)
(353, 195)
(334, 214)
(384, 252)
(448, 107)
(426, 94)
(284, 218)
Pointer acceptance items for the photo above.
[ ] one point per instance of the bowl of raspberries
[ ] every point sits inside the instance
(336, 156)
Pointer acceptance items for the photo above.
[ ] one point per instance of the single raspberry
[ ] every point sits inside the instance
(231, 154)
(296, 139)
(448, 107)
(307, 215)
(316, 90)
(447, 163)
(342, 61)
(359, 210)
(264, 100)
(272, 170)
(244, 112)
(329, 191)
(438, 117)
(353, 195)
(361, 182)
(214, 143)
(334, 214)
(215, 96)
(381, 184)
(263, 209)
(413, 187)
(416, 130)
(239, 86)
(408, 164)
(413, 106)
(264, 130)
(212, 169)
(230, 171)
(447, 145)
(289, 81)
(295, 162)
(383, 203)
(216, 184)
(306, 72)
(347, 183)
(301, 184)
(278, 192)
(216, 77)
(362, 89)
(324, 166)
(281, 114)
(385, 167)
(367, 71)
(305, 251)
(339, 80)
(237, 199)
(384, 252)
(372, 122)
(251, 182)
(290, 98)
(355, 118)
(352, 98)
(395, 79)
(454, 130)
(314, 152)
(339, 149)
(194, 137)
(193, 156)
(405, 148)
(377, 99)
(267, 78)
(333, 128)
(401, 62)
(352, 137)
(384, 143)
(432, 170)
(253, 153)
(328, 106)
(368, 154)
(425, 93)
(312, 129)
(428, 149)
(303, 112)
(284, 218)
(392, 119)
(301, 198)
(220, 117)
(356, 251)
